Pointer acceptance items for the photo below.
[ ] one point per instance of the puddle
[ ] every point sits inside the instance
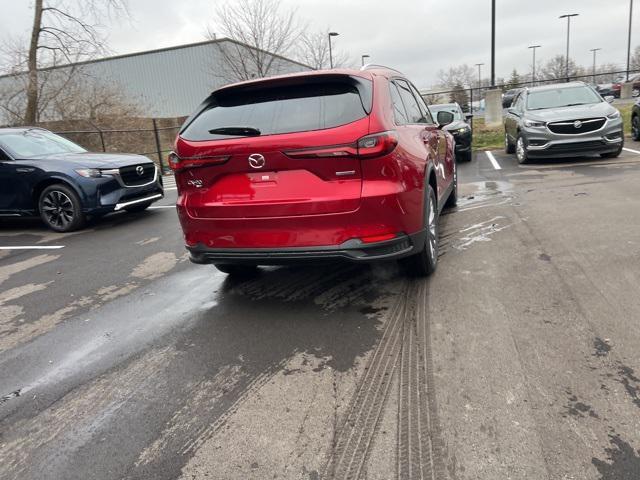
(486, 194)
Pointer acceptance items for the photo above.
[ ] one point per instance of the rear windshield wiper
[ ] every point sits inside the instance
(236, 131)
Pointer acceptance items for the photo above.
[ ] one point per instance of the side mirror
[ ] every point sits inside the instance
(609, 98)
(468, 116)
(512, 111)
(444, 118)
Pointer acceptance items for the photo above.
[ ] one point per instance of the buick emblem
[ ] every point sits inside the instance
(256, 160)
(577, 124)
(140, 170)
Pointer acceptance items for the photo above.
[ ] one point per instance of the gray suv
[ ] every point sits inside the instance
(562, 120)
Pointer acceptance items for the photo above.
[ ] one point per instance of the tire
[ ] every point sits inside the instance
(508, 146)
(138, 208)
(60, 208)
(465, 156)
(612, 154)
(635, 128)
(452, 201)
(237, 270)
(425, 262)
(521, 150)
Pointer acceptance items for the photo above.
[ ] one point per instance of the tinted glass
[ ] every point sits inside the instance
(422, 104)
(398, 107)
(561, 97)
(36, 143)
(414, 115)
(278, 110)
(457, 113)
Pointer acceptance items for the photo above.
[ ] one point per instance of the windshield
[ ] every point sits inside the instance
(561, 97)
(35, 143)
(457, 115)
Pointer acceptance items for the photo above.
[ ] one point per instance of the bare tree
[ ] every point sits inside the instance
(635, 59)
(556, 69)
(63, 31)
(264, 26)
(459, 75)
(313, 50)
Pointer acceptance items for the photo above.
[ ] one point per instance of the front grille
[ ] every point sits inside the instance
(576, 127)
(576, 146)
(136, 175)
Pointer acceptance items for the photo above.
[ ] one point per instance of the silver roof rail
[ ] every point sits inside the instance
(370, 66)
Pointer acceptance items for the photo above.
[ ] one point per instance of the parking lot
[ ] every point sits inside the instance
(518, 359)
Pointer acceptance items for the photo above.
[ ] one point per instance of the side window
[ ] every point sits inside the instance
(518, 103)
(414, 115)
(3, 156)
(428, 118)
(398, 108)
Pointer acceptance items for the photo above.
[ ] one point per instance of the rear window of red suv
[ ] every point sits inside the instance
(282, 108)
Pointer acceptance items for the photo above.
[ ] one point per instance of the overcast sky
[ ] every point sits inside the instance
(418, 37)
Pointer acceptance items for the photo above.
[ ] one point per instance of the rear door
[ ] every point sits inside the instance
(302, 162)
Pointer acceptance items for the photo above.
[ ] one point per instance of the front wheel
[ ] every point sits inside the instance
(465, 156)
(521, 150)
(635, 128)
(424, 263)
(60, 208)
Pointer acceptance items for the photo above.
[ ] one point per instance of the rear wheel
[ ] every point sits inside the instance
(60, 208)
(424, 263)
(521, 150)
(509, 147)
(635, 127)
(237, 270)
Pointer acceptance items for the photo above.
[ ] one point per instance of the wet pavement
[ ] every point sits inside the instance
(517, 359)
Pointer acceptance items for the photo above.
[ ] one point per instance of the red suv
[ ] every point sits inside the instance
(339, 164)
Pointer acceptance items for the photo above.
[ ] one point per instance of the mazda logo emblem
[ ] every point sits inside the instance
(256, 160)
(140, 170)
(577, 124)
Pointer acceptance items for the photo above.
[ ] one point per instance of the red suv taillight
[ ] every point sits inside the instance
(369, 146)
(176, 163)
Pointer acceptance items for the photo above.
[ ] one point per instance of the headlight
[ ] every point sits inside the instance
(89, 172)
(461, 130)
(614, 115)
(533, 123)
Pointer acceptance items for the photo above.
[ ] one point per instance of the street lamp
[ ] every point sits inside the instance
(493, 43)
(363, 57)
(594, 50)
(479, 65)
(533, 70)
(629, 40)
(331, 34)
(568, 17)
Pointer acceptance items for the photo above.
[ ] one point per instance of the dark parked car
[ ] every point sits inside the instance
(509, 96)
(617, 86)
(459, 128)
(635, 121)
(340, 164)
(562, 120)
(44, 174)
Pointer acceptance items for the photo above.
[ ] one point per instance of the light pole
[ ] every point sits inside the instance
(568, 17)
(493, 43)
(331, 34)
(533, 65)
(629, 40)
(479, 65)
(363, 57)
(594, 50)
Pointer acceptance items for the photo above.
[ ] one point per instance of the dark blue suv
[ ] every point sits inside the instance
(44, 174)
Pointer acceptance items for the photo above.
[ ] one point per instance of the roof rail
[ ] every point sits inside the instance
(370, 66)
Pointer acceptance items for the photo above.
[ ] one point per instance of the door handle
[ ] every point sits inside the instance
(25, 170)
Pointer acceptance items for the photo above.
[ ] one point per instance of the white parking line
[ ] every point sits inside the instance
(33, 247)
(170, 188)
(631, 150)
(493, 160)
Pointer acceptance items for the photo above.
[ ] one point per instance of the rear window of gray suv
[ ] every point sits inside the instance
(561, 97)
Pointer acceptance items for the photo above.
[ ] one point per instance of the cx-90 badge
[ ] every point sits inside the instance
(256, 160)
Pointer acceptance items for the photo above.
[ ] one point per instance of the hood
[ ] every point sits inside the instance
(455, 125)
(601, 109)
(100, 160)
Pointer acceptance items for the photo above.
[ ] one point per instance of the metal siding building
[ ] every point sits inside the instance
(168, 82)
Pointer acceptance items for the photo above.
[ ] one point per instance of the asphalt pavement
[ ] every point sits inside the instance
(518, 359)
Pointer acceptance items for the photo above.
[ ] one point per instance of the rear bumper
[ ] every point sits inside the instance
(351, 251)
